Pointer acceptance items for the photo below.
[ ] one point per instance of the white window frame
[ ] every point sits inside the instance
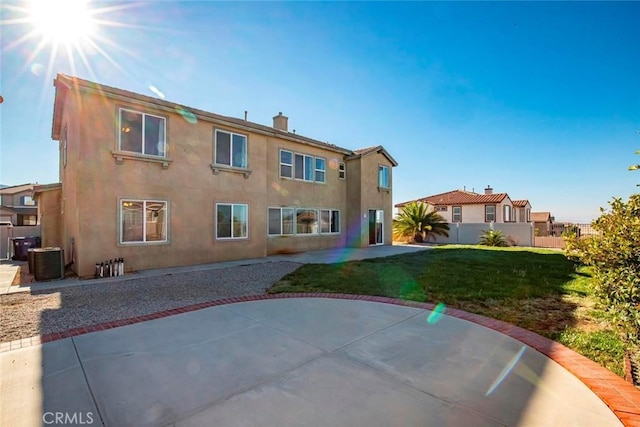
(453, 214)
(342, 170)
(144, 222)
(294, 213)
(231, 135)
(286, 164)
(330, 222)
(486, 213)
(506, 214)
(233, 205)
(281, 210)
(322, 170)
(528, 214)
(309, 164)
(144, 115)
(382, 175)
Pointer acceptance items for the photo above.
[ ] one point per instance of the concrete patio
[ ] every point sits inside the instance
(296, 361)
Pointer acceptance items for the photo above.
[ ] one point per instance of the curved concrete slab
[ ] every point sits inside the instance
(296, 361)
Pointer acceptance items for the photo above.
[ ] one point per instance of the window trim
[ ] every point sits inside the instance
(282, 150)
(342, 170)
(295, 210)
(453, 213)
(331, 211)
(388, 183)
(142, 153)
(222, 166)
(505, 209)
(486, 216)
(232, 204)
(305, 158)
(144, 221)
(528, 214)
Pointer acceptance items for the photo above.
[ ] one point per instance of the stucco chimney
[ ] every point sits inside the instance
(488, 190)
(280, 122)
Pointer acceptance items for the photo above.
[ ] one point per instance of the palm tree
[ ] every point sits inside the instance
(418, 222)
(493, 238)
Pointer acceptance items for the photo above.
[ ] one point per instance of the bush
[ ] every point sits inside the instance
(614, 253)
(493, 238)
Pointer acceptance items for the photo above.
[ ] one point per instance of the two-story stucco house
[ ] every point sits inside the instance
(17, 206)
(161, 184)
(460, 206)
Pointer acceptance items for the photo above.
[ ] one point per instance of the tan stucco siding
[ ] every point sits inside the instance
(295, 193)
(373, 197)
(49, 218)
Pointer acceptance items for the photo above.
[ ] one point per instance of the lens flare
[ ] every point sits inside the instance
(155, 90)
(187, 115)
(436, 314)
(333, 163)
(37, 69)
(505, 371)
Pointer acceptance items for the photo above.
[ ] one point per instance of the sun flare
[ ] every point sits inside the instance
(63, 21)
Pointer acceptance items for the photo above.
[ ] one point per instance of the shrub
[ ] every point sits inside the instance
(614, 253)
(419, 223)
(493, 238)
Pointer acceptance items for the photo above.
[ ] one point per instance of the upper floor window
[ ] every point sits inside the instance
(342, 171)
(27, 201)
(383, 176)
(507, 213)
(456, 213)
(232, 221)
(143, 221)
(302, 166)
(489, 213)
(231, 149)
(320, 169)
(528, 215)
(142, 133)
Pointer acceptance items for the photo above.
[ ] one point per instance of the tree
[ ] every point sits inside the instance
(635, 167)
(493, 238)
(614, 254)
(419, 223)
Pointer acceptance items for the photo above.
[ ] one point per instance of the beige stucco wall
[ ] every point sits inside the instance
(286, 192)
(371, 198)
(49, 218)
(93, 183)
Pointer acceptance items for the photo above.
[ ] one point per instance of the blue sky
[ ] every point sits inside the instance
(539, 100)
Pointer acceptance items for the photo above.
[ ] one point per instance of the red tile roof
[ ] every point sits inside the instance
(459, 197)
(540, 216)
(520, 203)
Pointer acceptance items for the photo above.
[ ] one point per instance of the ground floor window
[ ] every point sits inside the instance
(232, 221)
(302, 221)
(27, 219)
(143, 221)
(329, 221)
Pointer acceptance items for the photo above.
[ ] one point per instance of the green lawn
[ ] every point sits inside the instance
(537, 289)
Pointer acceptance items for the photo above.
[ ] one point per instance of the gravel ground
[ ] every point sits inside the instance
(40, 312)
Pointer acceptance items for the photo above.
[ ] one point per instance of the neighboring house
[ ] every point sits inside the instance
(18, 206)
(469, 207)
(160, 184)
(542, 223)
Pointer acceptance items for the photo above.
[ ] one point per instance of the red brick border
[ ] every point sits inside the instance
(619, 395)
